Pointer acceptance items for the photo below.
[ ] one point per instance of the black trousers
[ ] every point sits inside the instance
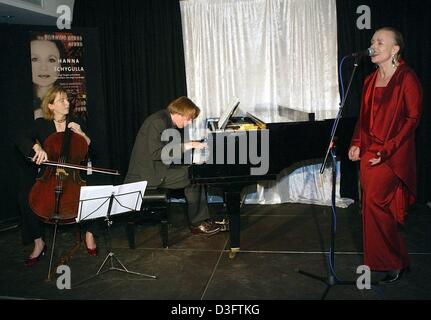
(197, 205)
(32, 226)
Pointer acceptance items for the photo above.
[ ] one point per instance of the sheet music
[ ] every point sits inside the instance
(224, 118)
(127, 199)
(94, 200)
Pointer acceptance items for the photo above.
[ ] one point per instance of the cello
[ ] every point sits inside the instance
(55, 196)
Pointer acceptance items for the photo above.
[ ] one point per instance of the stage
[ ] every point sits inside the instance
(276, 241)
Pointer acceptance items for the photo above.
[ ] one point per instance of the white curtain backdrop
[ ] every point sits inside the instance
(268, 54)
(265, 52)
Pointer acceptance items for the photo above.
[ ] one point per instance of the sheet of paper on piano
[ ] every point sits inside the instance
(200, 156)
(224, 118)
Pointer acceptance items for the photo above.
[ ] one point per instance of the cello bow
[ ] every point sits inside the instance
(78, 167)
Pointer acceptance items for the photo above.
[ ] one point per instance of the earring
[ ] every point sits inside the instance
(394, 62)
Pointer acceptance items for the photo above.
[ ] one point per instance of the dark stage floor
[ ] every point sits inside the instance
(276, 240)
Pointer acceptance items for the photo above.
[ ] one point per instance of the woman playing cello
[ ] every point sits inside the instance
(55, 108)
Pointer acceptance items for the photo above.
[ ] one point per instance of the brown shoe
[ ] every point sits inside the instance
(205, 228)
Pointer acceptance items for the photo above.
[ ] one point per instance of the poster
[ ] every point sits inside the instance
(57, 58)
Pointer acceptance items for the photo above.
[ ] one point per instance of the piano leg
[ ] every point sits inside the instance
(233, 198)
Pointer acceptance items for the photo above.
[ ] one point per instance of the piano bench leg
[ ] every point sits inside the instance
(160, 209)
(130, 230)
(164, 226)
(164, 232)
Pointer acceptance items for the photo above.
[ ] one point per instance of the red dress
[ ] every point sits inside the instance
(387, 123)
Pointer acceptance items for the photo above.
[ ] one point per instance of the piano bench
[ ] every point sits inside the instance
(155, 203)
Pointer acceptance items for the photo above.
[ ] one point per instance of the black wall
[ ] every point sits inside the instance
(135, 66)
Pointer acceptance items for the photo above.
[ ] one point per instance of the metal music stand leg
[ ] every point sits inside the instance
(111, 257)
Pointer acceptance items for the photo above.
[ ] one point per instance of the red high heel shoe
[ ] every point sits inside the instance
(32, 261)
(92, 252)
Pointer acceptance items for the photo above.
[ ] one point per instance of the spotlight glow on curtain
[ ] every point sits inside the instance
(268, 53)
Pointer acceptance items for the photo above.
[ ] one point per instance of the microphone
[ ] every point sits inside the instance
(368, 52)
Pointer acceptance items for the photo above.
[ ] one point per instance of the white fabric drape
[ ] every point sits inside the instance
(265, 52)
(269, 54)
(303, 185)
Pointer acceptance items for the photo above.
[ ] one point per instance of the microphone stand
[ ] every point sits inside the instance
(332, 279)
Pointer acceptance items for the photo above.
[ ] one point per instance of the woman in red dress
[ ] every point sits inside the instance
(384, 142)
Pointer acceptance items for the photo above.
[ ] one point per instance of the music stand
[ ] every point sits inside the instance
(104, 202)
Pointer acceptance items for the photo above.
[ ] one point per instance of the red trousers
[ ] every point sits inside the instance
(383, 209)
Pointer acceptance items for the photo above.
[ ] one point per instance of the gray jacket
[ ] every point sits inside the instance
(145, 160)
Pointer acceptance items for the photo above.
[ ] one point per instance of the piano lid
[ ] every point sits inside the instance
(280, 114)
(263, 114)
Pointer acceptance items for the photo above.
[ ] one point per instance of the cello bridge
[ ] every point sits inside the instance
(61, 171)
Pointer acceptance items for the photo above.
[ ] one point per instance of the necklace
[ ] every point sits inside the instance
(60, 121)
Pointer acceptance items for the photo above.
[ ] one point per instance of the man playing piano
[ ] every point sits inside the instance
(146, 161)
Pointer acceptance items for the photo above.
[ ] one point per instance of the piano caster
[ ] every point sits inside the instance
(233, 252)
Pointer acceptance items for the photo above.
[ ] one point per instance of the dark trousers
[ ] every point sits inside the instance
(32, 227)
(197, 206)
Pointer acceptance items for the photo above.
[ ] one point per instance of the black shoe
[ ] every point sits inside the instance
(205, 228)
(393, 276)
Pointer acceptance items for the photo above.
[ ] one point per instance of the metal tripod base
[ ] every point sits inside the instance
(124, 269)
(330, 281)
(111, 256)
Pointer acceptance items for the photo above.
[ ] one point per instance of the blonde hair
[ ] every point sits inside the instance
(49, 99)
(185, 107)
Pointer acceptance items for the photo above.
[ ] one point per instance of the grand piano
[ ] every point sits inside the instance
(286, 136)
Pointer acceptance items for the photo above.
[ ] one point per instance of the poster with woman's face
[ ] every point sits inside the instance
(57, 58)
